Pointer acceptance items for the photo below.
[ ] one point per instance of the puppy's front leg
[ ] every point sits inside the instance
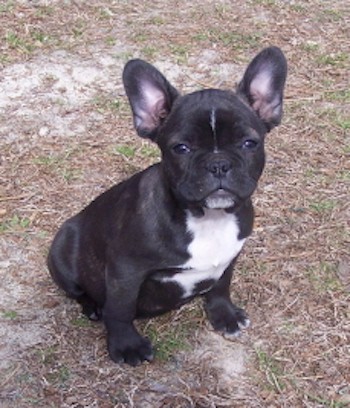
(125, 344)
(223, 315)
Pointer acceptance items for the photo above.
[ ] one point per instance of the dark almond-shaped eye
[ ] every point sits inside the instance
(250, 144)
(181, 148)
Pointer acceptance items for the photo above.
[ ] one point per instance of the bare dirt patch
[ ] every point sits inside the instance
(66, 135)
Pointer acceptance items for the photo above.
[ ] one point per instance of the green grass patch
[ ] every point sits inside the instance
(337, 60)
(168, 342)
(272, 370)
(150, 151)
(81, 321)
(326, 402)
(48, 355)
(323, 206)
(59, 376)
(15, 223)
(150, 51)
(107, 103)
(233, 39)
(14, 41)
(181, 52)
(342, 95)
(126, 151)
(310, 46)
(60, 165)
(324, 278)
(9, 314)
(111, 41)
(6, 6)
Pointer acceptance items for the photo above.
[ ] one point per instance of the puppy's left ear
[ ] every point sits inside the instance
(150, 95)
(263, 84)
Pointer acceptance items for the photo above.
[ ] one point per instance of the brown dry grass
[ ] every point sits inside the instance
(57, 153)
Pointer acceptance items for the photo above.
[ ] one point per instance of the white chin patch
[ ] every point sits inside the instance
(219, 202)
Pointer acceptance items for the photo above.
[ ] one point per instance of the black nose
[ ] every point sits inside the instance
(219, 167)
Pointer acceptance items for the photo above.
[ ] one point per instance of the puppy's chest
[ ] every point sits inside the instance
(214, 245)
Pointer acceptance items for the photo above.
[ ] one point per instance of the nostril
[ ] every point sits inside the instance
(225, 166)
(219, 167)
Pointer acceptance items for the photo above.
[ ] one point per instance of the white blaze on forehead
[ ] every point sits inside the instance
(213, 120)
(213, 127)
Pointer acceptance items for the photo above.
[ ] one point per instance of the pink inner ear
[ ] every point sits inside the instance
(151, 96)
(151, 108)
(261, 92)
(261, 85)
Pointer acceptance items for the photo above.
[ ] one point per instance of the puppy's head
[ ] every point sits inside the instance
(212, 141)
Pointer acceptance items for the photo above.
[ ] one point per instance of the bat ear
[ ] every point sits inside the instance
(263, 85)
(150, 95)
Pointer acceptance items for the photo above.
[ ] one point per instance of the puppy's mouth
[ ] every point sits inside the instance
(220, 199)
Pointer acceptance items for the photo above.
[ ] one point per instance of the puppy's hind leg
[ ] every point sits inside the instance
(62, 264)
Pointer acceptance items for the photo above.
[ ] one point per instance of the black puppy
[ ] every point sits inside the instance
(173, 231)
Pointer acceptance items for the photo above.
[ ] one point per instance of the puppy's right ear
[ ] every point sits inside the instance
(150, 95)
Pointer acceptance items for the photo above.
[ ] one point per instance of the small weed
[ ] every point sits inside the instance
(124, 55)
(111, 41)
(59, 376)
(39, 36)
(81, 321)
(104, 103)
(4, 59)
(324, 206)
(288, 327)
(149, 51)
(46, 160)
(157, 21)
(343, 123)
(180, 52)
(150, 151)
(6, 7)
(298, 8)
(47, 356)
(70, 174)
(325, 402)
(126, 151)
(43, 11)
(15, 223)
(324, 278)
(140, 37)
(221, 9)
(266, 2)
(338, 60)
(59, 164)
(10, 314)
(233, 39)
(79, 29)
(343, 95)
(15, 42)
(344, 175)
(105, 13)
(311, 46)
(270, 366)
(334, 15)
(169, 342)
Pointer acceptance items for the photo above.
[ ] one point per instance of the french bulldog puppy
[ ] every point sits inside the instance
(173, 231)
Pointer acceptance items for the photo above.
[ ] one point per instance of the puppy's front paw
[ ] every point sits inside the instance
(227, 318)
(130, 349)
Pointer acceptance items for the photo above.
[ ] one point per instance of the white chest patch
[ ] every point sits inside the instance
(215, 244)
